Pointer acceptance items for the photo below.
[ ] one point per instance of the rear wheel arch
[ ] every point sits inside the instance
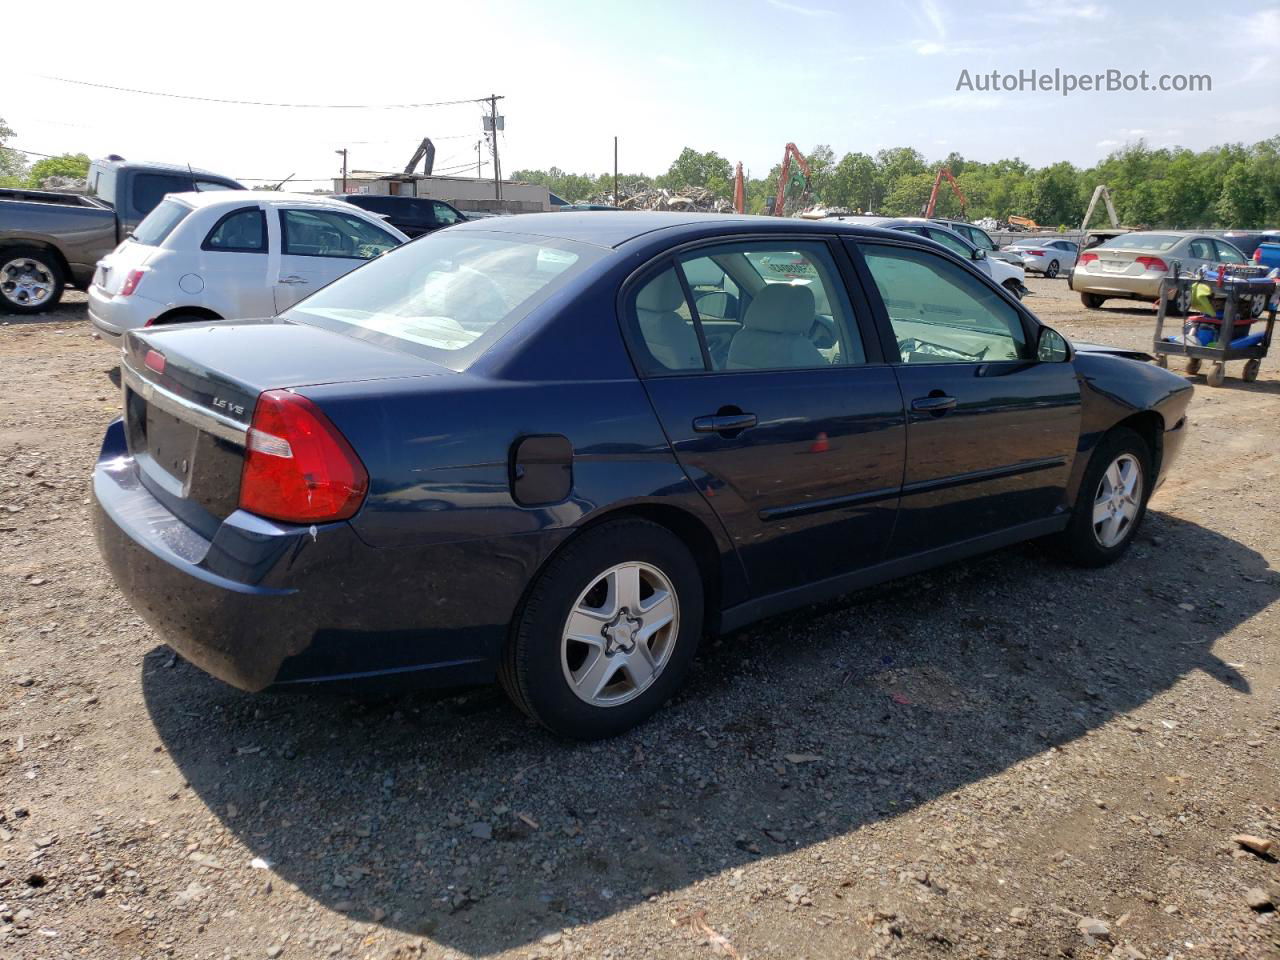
(687, 528)
(45, 247)
(169, 316)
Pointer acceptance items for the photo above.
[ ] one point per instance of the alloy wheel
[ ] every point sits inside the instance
(1117, 501)
(1052, 271)
(26, 282)
(620, 634)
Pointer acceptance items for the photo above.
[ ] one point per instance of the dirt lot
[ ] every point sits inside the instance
(1006, 758)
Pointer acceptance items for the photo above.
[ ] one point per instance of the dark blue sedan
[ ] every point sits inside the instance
(560, 449)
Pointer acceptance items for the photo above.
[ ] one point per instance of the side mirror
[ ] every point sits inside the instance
(979, 254)
(1051, 347)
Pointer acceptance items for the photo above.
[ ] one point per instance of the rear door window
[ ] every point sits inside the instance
(160, 222)
(1202, 248)
(241, 231)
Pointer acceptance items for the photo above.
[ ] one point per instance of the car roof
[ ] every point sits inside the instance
(622, 226)
(152, 165)
(200, 199)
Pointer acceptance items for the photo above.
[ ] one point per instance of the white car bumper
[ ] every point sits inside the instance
(114, 316)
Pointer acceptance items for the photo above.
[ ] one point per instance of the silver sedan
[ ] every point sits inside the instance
(1049, 256)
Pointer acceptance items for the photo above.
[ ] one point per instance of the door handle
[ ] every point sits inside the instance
(933, 404)
(724, 422)
(294, 279)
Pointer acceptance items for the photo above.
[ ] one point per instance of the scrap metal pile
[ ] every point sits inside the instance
(689, 199)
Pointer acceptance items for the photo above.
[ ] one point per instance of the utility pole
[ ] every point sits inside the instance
(493, 132)
(479, 143)
(615, 171)
(343, 151)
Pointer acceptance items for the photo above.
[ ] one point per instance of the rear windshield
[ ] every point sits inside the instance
(1140, 241)
(447, 296)
(159, 223)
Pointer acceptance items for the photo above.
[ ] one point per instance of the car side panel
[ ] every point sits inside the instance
(439, 452)
(1114, 389)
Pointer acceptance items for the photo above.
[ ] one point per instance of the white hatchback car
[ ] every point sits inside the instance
(230, 255)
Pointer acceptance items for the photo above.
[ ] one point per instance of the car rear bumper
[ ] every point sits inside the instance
(112, 317)
(1114, 285)
(265, 604)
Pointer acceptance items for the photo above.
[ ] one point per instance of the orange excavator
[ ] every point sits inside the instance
(937, 185)
(791, 151)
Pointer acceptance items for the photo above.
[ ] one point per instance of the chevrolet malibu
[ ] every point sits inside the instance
(558, 450)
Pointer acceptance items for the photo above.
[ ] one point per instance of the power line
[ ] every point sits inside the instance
(260, 103)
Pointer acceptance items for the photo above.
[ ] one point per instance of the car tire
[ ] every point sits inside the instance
(1095, 544)
(1051, 271)
(590, 689)
(1092, 300)
(1014, 288)
(31, 281)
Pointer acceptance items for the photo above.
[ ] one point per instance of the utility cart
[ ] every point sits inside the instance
(1234, 329)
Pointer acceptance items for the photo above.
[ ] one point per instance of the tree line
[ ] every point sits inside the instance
(1231, 185)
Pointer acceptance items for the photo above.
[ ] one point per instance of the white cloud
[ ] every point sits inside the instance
(802, 10)
(1107, 144)
(929, 49)
(934, 16)
(965, 101)
(1058, 15)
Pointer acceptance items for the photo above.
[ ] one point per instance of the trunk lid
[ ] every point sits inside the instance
(190, 391)
(114, 268)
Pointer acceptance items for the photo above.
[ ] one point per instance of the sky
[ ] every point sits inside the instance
(741, 77)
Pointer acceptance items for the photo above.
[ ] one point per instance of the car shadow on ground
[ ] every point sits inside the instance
(458, 820)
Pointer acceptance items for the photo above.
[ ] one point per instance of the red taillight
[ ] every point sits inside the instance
(1153, 263)
(1088, 257)
(1035, 253)
(297, 466)
(1257, 255)
(154, 361)
(131, 282)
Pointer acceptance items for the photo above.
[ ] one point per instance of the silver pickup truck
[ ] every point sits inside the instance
(52, 240)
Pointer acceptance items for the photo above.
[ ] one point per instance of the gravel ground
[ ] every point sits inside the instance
(1004, 758)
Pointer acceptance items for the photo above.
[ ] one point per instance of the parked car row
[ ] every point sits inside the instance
(51, 240)
(557, 450)
(215, 256)
(1012, 276)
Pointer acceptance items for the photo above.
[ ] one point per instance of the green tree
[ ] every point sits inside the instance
(71, 165)
(853, 183)
(694, 169)
(13, 166)
(1241, 201)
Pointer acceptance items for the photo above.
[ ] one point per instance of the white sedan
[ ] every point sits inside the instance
(230, 255)
(1049, 256)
